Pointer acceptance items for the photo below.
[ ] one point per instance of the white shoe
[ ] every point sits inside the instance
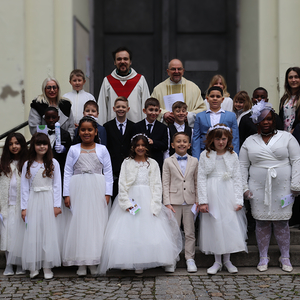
(20, 271)
(263, 268)
(230, 267)
(48, 274)
(34, 273)
(170, 269)
(214, 269)
(191, 266)
(81, 271)
(285, 268)
(8, 270)
(93, 270)
(138, 271)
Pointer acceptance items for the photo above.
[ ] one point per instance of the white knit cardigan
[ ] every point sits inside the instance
(4, 189)
(207, 165)
(128, 174)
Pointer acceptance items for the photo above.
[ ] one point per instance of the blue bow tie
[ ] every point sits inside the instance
(182, 158)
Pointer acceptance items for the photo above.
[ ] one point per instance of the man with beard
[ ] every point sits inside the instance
(123, 81)
(176, 84)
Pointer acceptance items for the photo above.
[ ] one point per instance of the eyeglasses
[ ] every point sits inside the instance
(49, 87)
(174, 69)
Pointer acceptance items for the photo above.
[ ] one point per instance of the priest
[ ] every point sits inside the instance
(176, 84)
(123, 81)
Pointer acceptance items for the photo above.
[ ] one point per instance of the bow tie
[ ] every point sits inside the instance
(51, 131)
(182, 158)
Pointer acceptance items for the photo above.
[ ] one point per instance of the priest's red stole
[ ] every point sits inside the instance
(126, 89)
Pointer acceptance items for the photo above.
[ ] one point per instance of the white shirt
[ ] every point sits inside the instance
(123, 127)
(215, 116)
(151, 128)
(182, 164)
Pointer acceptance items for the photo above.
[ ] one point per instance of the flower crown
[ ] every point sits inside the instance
(142, 134)
(218, 127)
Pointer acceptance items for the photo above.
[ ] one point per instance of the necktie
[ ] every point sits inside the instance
(51, 131)
(121, 128)
(182, 158)
(149, 129)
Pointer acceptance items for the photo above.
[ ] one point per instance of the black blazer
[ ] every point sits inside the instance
(61, 157)
(118, 145)
(159, 135)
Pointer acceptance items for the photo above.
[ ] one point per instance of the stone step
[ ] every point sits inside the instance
(295, 237)
(243, 259)
(249, 259)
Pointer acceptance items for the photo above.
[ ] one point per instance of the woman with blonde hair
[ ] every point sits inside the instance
(51, 96)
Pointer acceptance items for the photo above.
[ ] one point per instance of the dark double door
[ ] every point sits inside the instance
(202, 33)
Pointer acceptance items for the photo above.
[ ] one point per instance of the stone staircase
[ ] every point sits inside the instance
(250, 259)
(241, 259)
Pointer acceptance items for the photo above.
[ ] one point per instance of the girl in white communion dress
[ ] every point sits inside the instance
(149, 238)
(223, 225)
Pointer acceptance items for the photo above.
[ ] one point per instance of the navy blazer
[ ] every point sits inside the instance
(202, 124)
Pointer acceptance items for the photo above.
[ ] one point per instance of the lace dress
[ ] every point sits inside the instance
(143, 240)
(85, 231)
(223, 230)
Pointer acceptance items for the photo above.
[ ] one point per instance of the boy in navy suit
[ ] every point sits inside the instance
(155, 130)
(214, 115)
(119, 132)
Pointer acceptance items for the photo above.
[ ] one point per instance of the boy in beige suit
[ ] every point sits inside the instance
(179, 180)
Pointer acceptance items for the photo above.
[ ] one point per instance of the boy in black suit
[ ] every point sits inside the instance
(59, 151)
(119, 132)
(155, 130)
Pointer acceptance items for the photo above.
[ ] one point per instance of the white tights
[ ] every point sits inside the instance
(263, 236)
(218, 258)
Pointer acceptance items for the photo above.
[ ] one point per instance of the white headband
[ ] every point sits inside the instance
(142, 134)
(218, 127)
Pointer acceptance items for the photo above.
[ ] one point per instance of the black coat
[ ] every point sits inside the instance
(118, 145)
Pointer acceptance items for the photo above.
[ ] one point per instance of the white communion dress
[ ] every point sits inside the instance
(39, 196)
(85, 231)
(223, 230)
(149, 239)
(10, 208)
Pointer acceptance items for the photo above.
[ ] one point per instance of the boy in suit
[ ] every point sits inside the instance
(214, 115)
(155, 130)
(179, 181)
(59, 151)
(179, 111)
(91, 109)
(119, 132)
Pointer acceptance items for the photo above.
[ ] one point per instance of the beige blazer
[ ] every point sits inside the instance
(177, 187)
